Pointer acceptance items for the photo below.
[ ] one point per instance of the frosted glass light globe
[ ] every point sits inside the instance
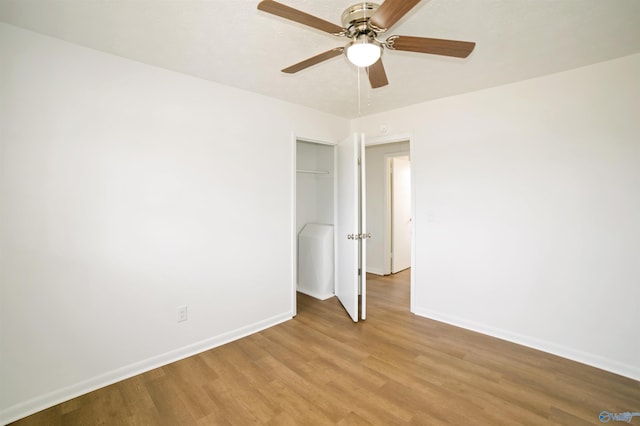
(362, 53)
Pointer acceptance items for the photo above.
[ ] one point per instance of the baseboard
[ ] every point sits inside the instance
(375, 271)
(56, 397)
(593, 360)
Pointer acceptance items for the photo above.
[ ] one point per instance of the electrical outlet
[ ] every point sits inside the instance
(181, 312)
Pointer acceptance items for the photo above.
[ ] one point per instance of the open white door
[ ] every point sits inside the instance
(349, 230)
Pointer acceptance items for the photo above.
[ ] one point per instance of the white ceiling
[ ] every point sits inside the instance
(231, 42)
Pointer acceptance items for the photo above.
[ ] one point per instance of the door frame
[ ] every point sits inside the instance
(395, 139)
(294, 218)
(387, 239)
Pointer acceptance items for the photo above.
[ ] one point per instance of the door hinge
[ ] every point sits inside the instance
(359, 272)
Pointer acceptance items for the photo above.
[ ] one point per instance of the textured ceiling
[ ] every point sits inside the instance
(231, 42)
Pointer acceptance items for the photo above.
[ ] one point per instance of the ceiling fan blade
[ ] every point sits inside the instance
(434, 46)
(314, 60)
(377, 75)
(296, 15)
(390, 12)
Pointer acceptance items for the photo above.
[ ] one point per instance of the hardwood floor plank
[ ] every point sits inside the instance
(395, 368)
(135, 393)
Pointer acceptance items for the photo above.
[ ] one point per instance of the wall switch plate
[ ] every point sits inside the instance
(181, 312)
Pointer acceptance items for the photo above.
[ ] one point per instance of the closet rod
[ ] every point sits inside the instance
(315, 172)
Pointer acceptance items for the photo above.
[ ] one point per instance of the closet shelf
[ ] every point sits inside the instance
(314, 172)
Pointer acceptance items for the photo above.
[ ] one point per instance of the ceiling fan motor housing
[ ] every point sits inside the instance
(355, 19)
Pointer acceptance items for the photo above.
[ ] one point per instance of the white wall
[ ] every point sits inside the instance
(314, 192)
(376, 176)
(527, 211)
(128, 190)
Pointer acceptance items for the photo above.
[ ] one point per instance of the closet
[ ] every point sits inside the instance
(315, 213)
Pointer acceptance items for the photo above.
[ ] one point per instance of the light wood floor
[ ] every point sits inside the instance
(393, 369)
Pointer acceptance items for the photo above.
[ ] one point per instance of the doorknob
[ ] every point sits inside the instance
(358, 236)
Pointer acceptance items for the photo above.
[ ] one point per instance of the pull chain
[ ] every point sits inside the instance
(359, 94)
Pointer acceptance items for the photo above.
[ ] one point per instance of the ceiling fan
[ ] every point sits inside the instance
(363, 23)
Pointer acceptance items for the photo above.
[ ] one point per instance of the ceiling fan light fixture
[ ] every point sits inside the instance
(363, 51)
(362, 24)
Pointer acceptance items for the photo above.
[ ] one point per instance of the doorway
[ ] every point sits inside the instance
(314, 218)
(335, 175)
(389, 208)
